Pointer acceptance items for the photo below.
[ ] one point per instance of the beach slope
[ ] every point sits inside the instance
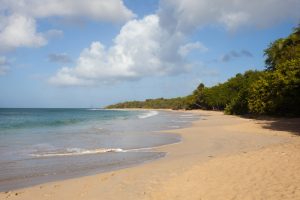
(220, 157)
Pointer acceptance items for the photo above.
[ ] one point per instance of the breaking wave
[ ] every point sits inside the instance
(94, 109)
(79, 151)
(148, 114)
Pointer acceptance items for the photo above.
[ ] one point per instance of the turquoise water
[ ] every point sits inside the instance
(35, 118)
(40, 145)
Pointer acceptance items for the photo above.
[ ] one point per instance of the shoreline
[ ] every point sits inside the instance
(213, 140)
(95, 160)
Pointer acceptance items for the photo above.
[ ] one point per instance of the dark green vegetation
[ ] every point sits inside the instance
(274, 91)
(175, 103)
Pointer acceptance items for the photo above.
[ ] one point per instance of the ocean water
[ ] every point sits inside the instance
(41, 145)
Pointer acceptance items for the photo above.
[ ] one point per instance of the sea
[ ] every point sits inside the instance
(43, 145)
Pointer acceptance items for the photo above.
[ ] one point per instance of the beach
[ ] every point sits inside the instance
(219, 157)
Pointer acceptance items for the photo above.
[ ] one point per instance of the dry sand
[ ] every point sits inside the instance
(220, 157)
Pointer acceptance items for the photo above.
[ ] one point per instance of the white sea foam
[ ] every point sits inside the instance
(79, 151)
(138, 149)
(76, 152)
(187, 115)
(148, 114)
(94, 109)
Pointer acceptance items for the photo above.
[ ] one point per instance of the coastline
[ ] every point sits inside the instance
(220, 157)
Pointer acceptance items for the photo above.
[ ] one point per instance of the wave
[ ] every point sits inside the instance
(76, 152)
(79, 151)
(94, 109)
(148, 114)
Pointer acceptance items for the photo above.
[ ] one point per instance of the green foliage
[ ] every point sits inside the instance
(195, 101)
(278, 91)
(283, 49)
(160, 103)
(239, 102)
(274, 91)
(231, 95)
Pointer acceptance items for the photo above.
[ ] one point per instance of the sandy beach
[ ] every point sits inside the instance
(220, 157)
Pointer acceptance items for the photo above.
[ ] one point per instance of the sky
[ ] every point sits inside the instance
(92, 53)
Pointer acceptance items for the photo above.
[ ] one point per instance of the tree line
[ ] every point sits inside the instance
(273, 91)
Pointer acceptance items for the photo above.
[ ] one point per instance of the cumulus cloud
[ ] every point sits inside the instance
(102, 10)
(4, 65)
(18, 18)
(186, 15)
(18, 31)
(157, 44)
(141, 49)
(235, 54)
(59, 58)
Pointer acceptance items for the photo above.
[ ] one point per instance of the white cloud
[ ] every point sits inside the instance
(18, 18)
(19, 31)
(156, 45)
(4, 66)
(102, 10)
(187, 48)
(141, 49)
(187, 15)
(64, 77)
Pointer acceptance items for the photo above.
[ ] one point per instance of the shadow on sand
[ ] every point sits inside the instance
(291, 125)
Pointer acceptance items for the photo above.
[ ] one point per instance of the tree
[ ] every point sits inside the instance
(278, 92)
(283, 49)
(275, 90)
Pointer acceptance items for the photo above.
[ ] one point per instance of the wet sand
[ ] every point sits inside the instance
(220, 157)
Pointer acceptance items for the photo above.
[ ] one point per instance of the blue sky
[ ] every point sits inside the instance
(93, 53)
